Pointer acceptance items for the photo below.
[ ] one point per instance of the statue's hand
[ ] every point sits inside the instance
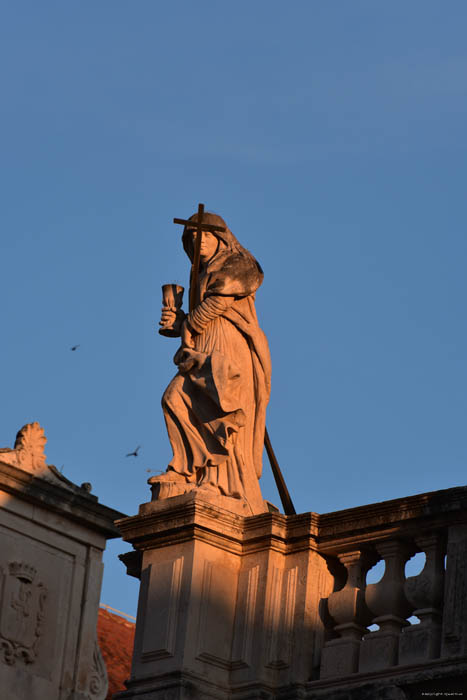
(168, 317)
(188, 360)
(172, 318)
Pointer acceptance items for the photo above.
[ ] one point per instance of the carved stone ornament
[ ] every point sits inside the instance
(29, 444)
(21, 613)
(98, 683)
(28, 452)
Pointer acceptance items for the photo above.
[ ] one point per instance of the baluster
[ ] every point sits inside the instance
(386, 600)
(347, 608)
(422, 642)
(454, 634)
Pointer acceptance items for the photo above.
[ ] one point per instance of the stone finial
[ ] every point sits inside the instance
(29, 446)
(28, 455)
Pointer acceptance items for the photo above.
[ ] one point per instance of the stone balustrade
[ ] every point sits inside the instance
(278, 607)
(393, 531)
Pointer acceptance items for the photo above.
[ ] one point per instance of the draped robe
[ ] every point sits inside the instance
(215, 406)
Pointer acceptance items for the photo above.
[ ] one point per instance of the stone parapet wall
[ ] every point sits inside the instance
(275, 606)
(354, 540)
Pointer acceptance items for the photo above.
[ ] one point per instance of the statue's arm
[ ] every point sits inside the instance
(197, 320)
(210, 308)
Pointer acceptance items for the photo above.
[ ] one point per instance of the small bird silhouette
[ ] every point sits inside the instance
(75, 347)
(134, 453)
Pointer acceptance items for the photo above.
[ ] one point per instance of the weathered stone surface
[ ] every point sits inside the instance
(52, 536)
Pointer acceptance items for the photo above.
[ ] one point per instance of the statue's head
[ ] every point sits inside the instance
(209, 244)
(210, 241)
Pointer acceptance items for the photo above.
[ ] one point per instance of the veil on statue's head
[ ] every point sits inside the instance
(240, 272)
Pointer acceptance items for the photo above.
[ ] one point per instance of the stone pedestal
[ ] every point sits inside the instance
(227, 603)
(421, 642)
(52, 536)
(340, 657)
(380, 649)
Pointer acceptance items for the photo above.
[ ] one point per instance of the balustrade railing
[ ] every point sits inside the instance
(394, 531)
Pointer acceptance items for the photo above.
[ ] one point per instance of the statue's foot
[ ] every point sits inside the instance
(169, 475)
(168, 485)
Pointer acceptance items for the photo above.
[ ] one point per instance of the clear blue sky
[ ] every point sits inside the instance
(332, 138)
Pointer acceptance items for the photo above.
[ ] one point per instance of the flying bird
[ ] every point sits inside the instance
(75, 347)
(134, 453)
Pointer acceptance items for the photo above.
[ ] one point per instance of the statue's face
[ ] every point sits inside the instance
(209, 245)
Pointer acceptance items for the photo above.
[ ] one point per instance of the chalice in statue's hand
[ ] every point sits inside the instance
(172, 315)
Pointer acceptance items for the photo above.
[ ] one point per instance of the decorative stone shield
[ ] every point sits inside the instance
(21, 613)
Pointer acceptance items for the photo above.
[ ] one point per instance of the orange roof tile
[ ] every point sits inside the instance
(116, 636)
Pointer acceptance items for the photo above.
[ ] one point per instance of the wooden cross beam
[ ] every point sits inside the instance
(200, 227)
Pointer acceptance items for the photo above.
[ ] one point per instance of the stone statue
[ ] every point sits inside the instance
(215, 406)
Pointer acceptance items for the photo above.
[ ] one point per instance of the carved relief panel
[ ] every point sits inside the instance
(217, 613)
(36, 627)
(280, 605)
(159, 641)
(22, 604)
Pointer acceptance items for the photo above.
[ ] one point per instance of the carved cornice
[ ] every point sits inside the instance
(71, 501)
(407, 517)
(191, 517)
